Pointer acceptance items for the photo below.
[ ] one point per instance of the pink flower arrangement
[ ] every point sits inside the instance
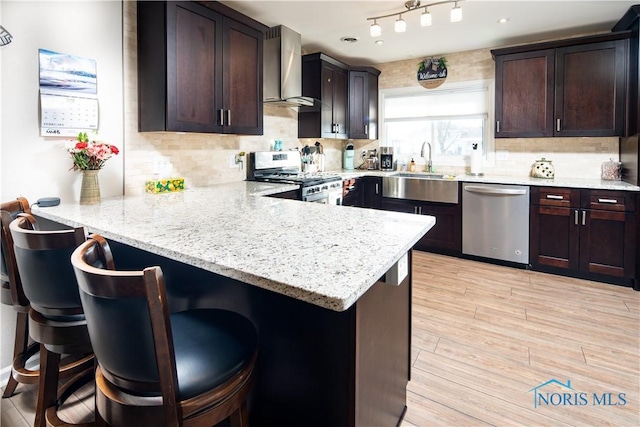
(90, 155)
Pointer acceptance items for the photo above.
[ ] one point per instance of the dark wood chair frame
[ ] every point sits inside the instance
(69, 338)
(13, 295)
(228, 400)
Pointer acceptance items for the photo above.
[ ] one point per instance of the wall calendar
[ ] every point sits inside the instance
(68, 94)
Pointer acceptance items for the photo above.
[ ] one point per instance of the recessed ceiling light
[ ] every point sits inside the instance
(379, 42)
(349, 39)
(502, 20)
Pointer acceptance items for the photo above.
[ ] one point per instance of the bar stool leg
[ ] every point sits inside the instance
(20, 346)
(47, 384)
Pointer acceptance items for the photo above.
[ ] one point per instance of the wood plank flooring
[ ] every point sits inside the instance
(484, 337)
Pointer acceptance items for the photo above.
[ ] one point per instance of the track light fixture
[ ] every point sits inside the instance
(425, 18)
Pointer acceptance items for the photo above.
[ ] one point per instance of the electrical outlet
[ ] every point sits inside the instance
(231, 158)
(161, 164)
(502, 155)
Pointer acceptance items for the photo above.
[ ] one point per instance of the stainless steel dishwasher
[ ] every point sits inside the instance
(495, 221)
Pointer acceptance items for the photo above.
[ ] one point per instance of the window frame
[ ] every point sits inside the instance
(488, 152)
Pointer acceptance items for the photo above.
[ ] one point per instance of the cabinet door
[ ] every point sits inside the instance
(607, 243)
(194, 68)
(334, 102)
(590, 93)
(358, 104)
(363, 105)
(340, 103)
(554, 237)
(327, 126)
(446, 235)
(242, 79)
(524, 94)
(371, 192)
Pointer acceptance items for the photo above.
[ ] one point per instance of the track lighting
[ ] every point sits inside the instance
(401, 25)
(425, 18)
(456, 13)
(375, 30)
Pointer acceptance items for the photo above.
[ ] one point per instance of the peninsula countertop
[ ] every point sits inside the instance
(324, 254)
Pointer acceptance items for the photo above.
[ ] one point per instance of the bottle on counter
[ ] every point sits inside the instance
(412, 166)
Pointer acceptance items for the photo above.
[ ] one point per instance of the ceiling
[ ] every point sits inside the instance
(323, 23)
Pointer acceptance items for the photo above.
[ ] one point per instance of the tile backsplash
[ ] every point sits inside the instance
(204, 159)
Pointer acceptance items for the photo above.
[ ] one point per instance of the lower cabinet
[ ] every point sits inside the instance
(585, 233)
(371, 188)
(351, 192)
(446, 235)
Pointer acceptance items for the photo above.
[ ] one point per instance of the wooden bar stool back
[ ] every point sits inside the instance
(13, 295)
(191, 368)
(56, 320)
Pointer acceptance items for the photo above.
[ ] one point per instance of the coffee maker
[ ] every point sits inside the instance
(386, 158)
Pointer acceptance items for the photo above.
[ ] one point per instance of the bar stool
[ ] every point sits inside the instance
(56, 320)
(191, 368)
(13, 295)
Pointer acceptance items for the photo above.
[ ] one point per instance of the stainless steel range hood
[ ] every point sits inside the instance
(283, 68)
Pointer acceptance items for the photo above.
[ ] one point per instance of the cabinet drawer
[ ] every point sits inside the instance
(552, 196)
(621, 201)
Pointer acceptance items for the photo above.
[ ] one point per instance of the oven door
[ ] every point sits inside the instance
(331, 197)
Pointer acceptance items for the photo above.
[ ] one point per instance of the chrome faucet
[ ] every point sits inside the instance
(429, 166)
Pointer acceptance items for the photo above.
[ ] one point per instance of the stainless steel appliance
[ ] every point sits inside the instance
(495, 221)
(284, 167)
(372, 161)
(386, 158)
(283, 68)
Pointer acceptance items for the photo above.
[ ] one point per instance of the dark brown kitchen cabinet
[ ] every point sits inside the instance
(584, 233)
(363, 103)
(352, 192)
(446, 235)
(324, 79)
(199, 69)
(371, 187)
(574, 87)
(524, 107)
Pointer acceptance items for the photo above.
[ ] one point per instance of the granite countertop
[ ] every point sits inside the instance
(324, 254)
(599, 184)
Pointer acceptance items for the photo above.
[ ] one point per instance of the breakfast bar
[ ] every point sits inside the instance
(327, 287)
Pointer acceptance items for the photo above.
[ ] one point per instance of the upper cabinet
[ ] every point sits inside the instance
(325, 80)
(199, 69)
(574, 87)
(363, 103)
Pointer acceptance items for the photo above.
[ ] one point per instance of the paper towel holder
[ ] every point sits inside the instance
(476, 161)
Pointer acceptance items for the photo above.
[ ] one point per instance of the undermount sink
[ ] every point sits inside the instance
(428, 187)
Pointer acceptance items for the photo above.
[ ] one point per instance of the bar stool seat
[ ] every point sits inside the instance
(191, 368)
(56, 320)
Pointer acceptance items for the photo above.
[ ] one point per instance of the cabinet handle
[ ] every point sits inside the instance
(221, 117)
(337, 127)
(366, 129)
(377, 189)
(575, 217)
(228, 117)
(554, 197)
(612, 201)
(584, 217)
(498, 126)
(558, 125)
(420, 210)
(415, 210)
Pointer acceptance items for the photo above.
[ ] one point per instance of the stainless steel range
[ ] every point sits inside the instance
(285, 167)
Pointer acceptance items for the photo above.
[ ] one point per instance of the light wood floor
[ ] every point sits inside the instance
(484, 336)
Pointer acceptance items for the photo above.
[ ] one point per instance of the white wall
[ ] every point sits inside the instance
(34, 166)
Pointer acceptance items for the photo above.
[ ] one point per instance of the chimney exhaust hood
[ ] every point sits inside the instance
(283, 68)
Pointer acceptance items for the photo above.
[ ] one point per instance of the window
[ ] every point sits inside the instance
(451, 118)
